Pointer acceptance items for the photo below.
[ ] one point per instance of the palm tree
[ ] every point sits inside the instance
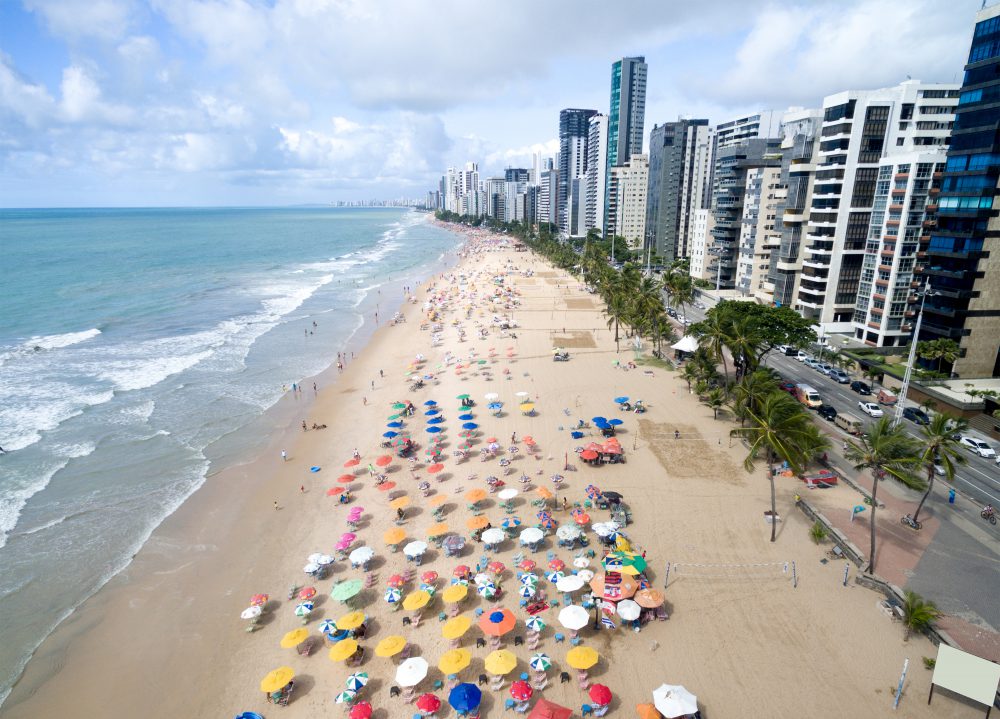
(918, 613)
(781, 429)
(690, 373)
(885, 451)
(714, 337)
(938, 448)
(715, 399)
(744, 343)
(751, 391)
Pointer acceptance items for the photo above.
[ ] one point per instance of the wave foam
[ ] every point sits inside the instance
(14, 498)
(44, 343)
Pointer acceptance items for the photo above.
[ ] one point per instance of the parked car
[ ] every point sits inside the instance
(839, 376)
(860, 387)
(871, 409)
(916, 415)
(672, 312)
(823, 368)
(977, 445)
(810, 362)
(787, 387)
(788, 350)
(802, 356)
(827, 412)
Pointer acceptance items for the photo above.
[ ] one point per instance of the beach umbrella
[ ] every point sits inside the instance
(475, 495)
(394, 535)
(531, 535)
(310, 568)
(615, 422)
(574, 617)
(582, 657)
(276, 679)
(495, 406)
(599, 420)
(384, 461)
(455, 593)
(361, 710)
(307, 592)
(435, 420)
(454, 628)
(604, 529)
(390, 646)
(528, 578)
(507, 494)
(411, 672)
(437, 501)
(390, 434)
(527, 590)
(521, 691)
(493, 535)
(454, 660)
(429, 403)
(674, 701)
(624, 589)
(437, 530)
(570, 583)
(415, 549)
(395, 424)
(435, 468)
(433, 430)
(556, 564)
(361, 555)
(511, 523)
(392, 595)
(386, 486)
(582, 518)
(431, 412)
(352, 620)
(568, 532)
(428, 703)
(649, 598)
(470, 425)
(496, 567)
(462, 396)
(477, 522)
(327, 626)
(400, 502)
(535, 624)
(465, 697)
(353, 462)
(576, 435)
(624, 563)
(486, 590)
(585, 574)
(343, 650)
(417, 600)
(581, 562)
(465, 417)
(500, 662)
(527, 564)
(346, 589)
(399, 405)
(251, 613)
(259, 600)
(429, 576)
(396, 580)
(334, 491)
(599, 694)
(497, 623)
(540, 662)
(554, 577)
(543, 492)
(346, 697)
(628, 610)
(588, 454)
(356, 681)
(621, 400)
(491, 396)
(294, 638)
(304, 609)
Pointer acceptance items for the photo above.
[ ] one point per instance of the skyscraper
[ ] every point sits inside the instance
(627, 115)
(597, 177)
(574, 127)
(627, 187)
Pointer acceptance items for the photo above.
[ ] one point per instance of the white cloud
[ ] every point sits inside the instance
(82, 102)
(21, 100)
(75, 19)
(521, 156)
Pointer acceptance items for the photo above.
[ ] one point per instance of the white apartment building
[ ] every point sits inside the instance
(761, 124)
(628, 187)
(597, 172)
(757, 234)
(699, 242)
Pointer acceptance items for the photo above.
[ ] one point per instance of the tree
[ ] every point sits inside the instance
(712, 334)
(751, 391)
(715, 399)
(781, 430)
(918, 613)
(769, 326)
(938, 448)
(886, 451)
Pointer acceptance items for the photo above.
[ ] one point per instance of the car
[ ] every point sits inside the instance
(787, 387)
(916, 415)
(839, 376)
(787, 350)
(672, 312)
(802, 356)
(860, 387)
(823, 368)
(827, 412)
(871, 409)
(977, 445)
(810, 362)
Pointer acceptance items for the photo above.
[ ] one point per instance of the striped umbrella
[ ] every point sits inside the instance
(535, 624)
(304, 609)
(346, 697)
(540, 662)
(392, 595)
(487, 590)
(356, 681)
(327, 626)
(527, 590)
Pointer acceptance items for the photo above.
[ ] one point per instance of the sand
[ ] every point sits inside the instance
(164, 638)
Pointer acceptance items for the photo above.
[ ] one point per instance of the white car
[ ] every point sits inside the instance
(802, 356)
(978, 446)
(871, 409)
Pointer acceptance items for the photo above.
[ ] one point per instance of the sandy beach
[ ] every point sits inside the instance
(165, 638)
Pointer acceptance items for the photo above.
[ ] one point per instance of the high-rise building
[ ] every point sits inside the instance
(548, 188)
(740, 129)
(628, 109)
(680, 172)
(597, 150)
(627, 186)
(699, 243)
(962, 253)
(517, 174)
(496, 198)
(860, 130)
(758, 238)
(574, 127)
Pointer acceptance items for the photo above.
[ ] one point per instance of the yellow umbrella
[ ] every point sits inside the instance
(351, 621)
(294, 638)
(277, 679)
(582, 657)
(390, 645)
(455, 660)
(455, 593)
(343, 649)
(436, 530)
(400, 503)
(456, 627)
(394, 535)
(527, 406)
(417, 600)
(500, 662)
(623, 545)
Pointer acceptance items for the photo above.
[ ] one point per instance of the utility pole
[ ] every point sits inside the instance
(923, 293)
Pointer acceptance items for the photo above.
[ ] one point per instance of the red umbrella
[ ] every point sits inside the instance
(352, 463)
(496, 567)
(345, 478)
(527, 565)
(491, 439)
(461, 570)
(361, 710)
(544, 709)
(428, 703)
(557, 565)
(588, 454)
(600, 694)
(386, 486)
(521, 691)
(307, 593)
(396, 580)
(529, 440)
(582, 518)
(611, 449)
(429, 577)
(383, 461)
(435, 468)
(334, 491)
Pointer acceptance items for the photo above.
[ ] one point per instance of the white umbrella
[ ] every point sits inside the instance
(581, 562)
(310, 568)
(491, 397)
(674, 701)
(482, 578)
(411, 672)
(585, 574)
(508, 493)
(493, 535)
(628, 610)
(531, 535)
(604, 529)
(520, 394)
(569, 583)
(568, 531)
(361, 555)
(574, 617)
(415, 549)
(324, 560)
(250, 613)
(314, 558)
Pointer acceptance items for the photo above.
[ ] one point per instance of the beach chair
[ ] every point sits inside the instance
(483, 679)
(586, 710)
(508, 704)
(601, 710)
(564, 677)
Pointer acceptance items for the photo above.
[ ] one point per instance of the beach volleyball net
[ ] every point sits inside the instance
(731, 572)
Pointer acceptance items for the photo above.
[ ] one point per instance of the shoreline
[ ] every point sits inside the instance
(277, 425)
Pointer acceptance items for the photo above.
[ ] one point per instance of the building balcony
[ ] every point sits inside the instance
(877, 311)
(878, 296)
(895, 208)
(901, 176)
(890, 253)
(875, 325)
(892, 222)
(931, 207)
(898, 190)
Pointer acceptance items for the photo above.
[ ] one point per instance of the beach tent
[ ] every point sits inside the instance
(687, 343)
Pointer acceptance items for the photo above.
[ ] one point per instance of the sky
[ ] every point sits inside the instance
(274, 102)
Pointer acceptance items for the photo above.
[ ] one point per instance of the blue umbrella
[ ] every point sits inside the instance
(621, 400)
(429, 403)
(576, 435)
(470, 425)
(394, 425)
(598, 420)
(615, 422)
(431, 412)
(495, 405)
(465, 417)
(465, 697)
(602, 425)
(434, 430)
(435, 420)
(390, 434)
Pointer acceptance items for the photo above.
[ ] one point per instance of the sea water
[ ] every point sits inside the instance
(134, 344)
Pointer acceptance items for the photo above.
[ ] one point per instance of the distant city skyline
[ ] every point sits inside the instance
(124, 102)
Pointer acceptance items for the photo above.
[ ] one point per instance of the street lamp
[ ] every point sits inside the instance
(923, 293)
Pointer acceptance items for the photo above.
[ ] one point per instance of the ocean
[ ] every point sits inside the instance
(135, 344)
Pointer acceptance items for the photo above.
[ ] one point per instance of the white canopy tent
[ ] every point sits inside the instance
(965, 674)
(687, 343)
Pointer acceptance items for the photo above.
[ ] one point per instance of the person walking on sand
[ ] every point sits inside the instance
(677, 434)
(356, 454)
(284, 456)
(304, 427)
(276, 504)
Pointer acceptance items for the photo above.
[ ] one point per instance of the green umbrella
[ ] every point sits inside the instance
(345, 590)
(462, 396)
(399, 405)
(392, 417)
(481, 362)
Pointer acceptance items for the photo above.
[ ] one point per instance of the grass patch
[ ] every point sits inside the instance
(650, 361)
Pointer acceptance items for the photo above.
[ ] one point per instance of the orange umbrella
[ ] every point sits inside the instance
(475, 495)
(435, 468)
(383, 461)
(386, 486)
(394, 535)
(400, 502)
(582, 518)
(647, 711)
(352, 463)
(477, 523)
(497, 622)
(649, 598)
(345, 478)
(624, 590)
(436, 530)
(588, 454)
(529, 440)
(438, 500)
(543, 492)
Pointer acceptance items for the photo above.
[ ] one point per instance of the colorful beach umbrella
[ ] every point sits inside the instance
(455, 628)
(352, 620)
(417, 600)
(464, 698)
(454, 660)
(521, 691)
(497, 622)
(582, 657)
(535, 624)
(390, 646)
(294, 638)
(500, 662)
(428, 703)
(346, 697)
(599, 694)
(343, 650)
(276, 679)
(361, 710)
(540, 662)
(455, 593)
